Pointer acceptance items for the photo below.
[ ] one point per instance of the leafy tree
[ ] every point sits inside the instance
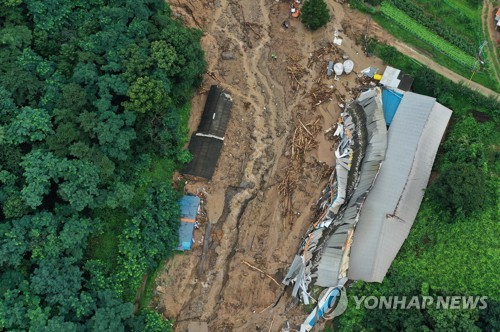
(111, 313)
(164, 54)
(461, 189)
(146, 240)
(314, 14)
(39, 170)
(147, 96)
(28, 126)
(154, 322)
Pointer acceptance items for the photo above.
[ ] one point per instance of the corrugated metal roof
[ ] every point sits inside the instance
(334, 259)
(390, 102)
(391, 206)
(215, 116)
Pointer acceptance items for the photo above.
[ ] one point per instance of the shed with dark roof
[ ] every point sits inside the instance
(206, 144)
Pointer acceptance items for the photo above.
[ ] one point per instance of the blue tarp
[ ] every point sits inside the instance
(390, 103)
(185, 236)
(189, 209)
(189, 206)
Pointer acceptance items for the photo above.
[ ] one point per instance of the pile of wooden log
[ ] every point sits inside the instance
(295, 71)
(320, 94)
(324, 54)
(304, 138)
(286, 188)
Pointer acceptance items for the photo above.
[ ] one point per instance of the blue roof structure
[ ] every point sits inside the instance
(390, 104)
(185, 236)
(189, 209)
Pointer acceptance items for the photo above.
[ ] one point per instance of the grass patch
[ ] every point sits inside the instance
(104, 247)
(147, 295)
(457, 15)
(484, 78)
(161, 170)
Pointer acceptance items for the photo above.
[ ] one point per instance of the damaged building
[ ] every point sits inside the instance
(206, 144)
(368, 207)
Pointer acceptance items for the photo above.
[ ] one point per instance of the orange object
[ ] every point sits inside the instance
(296, 13)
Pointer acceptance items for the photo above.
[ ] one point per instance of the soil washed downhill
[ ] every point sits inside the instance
(244, 206)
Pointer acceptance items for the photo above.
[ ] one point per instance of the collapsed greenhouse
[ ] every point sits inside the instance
(368, 206)
(206, 144)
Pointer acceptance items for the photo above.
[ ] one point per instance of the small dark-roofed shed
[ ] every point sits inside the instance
(406, 81)
(206, 144)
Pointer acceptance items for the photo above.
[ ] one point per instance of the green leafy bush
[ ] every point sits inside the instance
(314, 14)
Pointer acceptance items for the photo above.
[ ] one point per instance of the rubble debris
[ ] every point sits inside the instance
(337, 39)
(227, 55)
(320, 94)
(323, 257)
(295, 71)
(369, 72)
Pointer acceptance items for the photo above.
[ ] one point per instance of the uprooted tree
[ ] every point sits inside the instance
(315, 14)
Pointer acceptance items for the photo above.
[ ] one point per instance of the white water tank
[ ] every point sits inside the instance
(348, 66)
(338, 68)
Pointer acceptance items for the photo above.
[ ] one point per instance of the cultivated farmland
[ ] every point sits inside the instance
(426, 35)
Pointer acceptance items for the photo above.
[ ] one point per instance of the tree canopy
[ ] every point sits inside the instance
(314, 14)
(93, 96)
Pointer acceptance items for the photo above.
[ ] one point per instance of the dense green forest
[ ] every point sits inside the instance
(94, 102)
(453, 247)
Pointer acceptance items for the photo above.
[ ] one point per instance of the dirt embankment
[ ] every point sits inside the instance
(245, 209)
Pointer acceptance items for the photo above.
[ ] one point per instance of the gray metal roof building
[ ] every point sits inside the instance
(392, 204)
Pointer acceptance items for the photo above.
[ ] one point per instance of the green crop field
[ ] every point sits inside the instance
(426, 35)
(453, 20)
(448, 31)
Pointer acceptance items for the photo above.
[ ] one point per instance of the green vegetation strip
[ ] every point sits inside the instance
(427, 36)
